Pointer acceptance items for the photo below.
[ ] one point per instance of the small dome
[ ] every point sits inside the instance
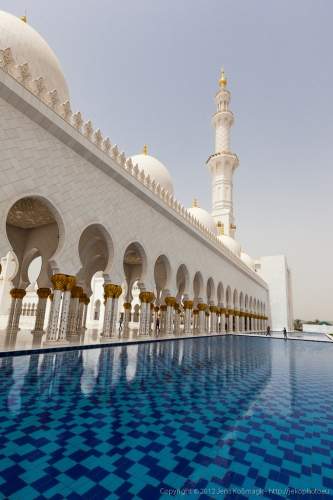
(248, 261)
(203, 216)
(27, 46)
(155, 169)
(230, 243)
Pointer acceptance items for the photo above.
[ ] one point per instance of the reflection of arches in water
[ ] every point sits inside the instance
(90, 370)
(132, 356)
(20, 369)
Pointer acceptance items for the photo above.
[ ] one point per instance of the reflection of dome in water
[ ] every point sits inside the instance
(202, 216)
(155, 169)
(27, 46)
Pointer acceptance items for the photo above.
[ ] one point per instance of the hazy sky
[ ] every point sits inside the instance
(148, 70)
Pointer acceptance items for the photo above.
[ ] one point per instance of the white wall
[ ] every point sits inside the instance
(318, 328)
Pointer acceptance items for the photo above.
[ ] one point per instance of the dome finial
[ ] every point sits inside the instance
(223, 80)
(144, 151)
(24, 18)
(195, 203)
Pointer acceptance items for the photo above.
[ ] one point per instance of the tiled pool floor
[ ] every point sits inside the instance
(216, 417)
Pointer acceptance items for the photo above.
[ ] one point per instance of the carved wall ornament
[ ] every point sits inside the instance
(114, 152)
(28, 213)
(98, 138)
(147, 181)
(53, 99)
(106, 146)
(136, 171)
(38, 88)
(142, 176)
(129, 165)
(77, 121)
(23, 74)
(153, 185)
(88, 130)
(7, 60)
(122, 159)
(66, 111)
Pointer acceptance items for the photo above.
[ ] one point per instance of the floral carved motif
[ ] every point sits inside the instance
(77, 121)
(53, 99)
(6, 59)
(98, 138)
(88, 130)
(66, 111)
(38, 87)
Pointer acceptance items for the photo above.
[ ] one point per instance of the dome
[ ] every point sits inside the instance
(203, 216)
(248, 261)
(27, 46)
(155, 169)
(230, 243)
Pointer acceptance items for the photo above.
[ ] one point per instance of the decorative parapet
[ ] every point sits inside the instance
(22, 74)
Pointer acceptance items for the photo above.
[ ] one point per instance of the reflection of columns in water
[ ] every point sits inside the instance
(105, 366)
(132, 358)
(188, 305)
(20, 369)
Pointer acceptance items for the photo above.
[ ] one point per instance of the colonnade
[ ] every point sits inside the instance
(69, 304)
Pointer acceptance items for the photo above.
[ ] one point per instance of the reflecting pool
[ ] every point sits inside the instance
(217, 417)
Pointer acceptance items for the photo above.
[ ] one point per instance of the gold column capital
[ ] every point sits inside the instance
(70, 283)
(223, 310)
(51, 297)
(202, 307)
(231, 311)
(83, 297)
(156, 309)
(76, 292)
(59, 281)
(170, 301)
(237, 313)
(86, 301)
(188, 304)
(43, 293)
(213, 309)
(127, 305)
(146, 297)
(207, 314)
(163, 308)
(195, 311)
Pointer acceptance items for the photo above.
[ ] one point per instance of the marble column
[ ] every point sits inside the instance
(108, 296)
(188, 304)
(176, 328)
(127, 318)
(79, 325)
(231, 321)
(213, 318)
(223, 311)
(11, 310)
(20, 293)
(144, 328)
(58, 281)
(207, 315)
(163, 309)
(50, 314)
(68, 317)
(241, 322)
(39, 331)
(195, 321)
(117, 291)
(85, 311)
(202, 318)
(170, 303)
(236, 321)
(156, 310)
(247, 319)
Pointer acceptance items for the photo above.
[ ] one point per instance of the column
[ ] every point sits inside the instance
(107, 324)
(80, 313)
(116, 292)
(68, 316)
(170, 303)
(50, 314)
(43, 294)
(176, 319)
(231, 321)
(127, 318)
(207, 322)
(223, 311)
(213, 310)
(18, 308)
(236, 321)
(144, 328)
(11, 310)
(195, 321)
(247, 318)
(255, 323)
(58, 281)
(188, 304)
(202, 318)
(241, 320)
(85, 311)
(163, 309)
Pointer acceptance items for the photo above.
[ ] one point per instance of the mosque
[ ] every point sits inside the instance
(72, 199)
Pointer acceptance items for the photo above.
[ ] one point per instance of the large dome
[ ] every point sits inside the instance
(203, 216)
(230, 243)
(27, 46)
(248, 261)
(155, 169)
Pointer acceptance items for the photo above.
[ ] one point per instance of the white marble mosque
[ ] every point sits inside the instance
(72, 199)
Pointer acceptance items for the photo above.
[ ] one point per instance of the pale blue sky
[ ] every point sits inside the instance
(148, 71)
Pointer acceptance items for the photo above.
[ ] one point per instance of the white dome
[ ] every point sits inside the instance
(203, 216)
(230, 243)
(27, 46)
(248, 261)
(155, 169)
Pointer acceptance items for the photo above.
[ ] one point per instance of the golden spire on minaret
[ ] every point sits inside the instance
(195, 203)
(223, 80)
(24, 18)
(144, 151)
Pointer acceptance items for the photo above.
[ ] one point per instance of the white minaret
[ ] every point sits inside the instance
(222, 164)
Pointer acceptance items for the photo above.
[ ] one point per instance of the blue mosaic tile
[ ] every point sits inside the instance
(206, 418)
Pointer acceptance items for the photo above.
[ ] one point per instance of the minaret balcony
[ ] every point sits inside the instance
(223, 158)
(223, 116)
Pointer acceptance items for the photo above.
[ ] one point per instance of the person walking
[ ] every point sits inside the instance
(285, 333)
(121, 324)
(268, 331)
(158, 324)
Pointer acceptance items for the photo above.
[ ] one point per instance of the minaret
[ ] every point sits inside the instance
(222, 164)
